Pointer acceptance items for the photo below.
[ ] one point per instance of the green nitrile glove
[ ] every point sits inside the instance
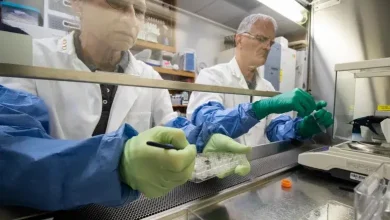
(219, 143)
(154, 171)
(309, 126)
(296, 100)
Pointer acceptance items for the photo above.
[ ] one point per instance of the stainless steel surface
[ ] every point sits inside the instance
(270, 149)
(326, 4)
(20, 71)
(190, 192)
(354, 30)
(158, 8)
(195, 206)
(235, 11)
(270, 201)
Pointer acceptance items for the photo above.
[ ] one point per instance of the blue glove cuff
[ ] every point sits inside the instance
(198, 135)
(283, 128)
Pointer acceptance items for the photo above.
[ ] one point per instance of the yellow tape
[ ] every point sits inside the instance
(384, 108)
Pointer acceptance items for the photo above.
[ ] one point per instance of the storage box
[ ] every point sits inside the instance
(20, 13)
(188, 60)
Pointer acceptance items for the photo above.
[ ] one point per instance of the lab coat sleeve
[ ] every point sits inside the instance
(206, 109)
(283, 128)
(27, 85)
(40, 172)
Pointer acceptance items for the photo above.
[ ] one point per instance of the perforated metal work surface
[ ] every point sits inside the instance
(144, 207)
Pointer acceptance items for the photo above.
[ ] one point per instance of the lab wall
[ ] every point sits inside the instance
(205, 37)
(354, 30)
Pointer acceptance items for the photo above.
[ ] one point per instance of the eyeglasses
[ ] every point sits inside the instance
(125, 5)
(260, 38)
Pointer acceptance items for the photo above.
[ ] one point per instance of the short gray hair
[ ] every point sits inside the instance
(248, 22)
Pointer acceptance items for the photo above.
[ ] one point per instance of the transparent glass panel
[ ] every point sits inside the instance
(169, 39)
(359, 94)
(150, 39)
(344, 104)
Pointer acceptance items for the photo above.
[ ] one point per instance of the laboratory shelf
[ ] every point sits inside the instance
(174, 72)
(154, 46)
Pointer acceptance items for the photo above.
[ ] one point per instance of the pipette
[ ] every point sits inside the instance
(323, 129)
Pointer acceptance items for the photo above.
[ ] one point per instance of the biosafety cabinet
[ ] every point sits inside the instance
(319, 35)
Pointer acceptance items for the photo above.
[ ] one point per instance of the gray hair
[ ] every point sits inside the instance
(248, 22)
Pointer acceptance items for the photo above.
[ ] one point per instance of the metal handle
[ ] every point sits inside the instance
(67, 3)
(70, 25)
(31, 72)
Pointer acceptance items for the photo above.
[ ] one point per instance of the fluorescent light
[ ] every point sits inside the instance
(288, 8)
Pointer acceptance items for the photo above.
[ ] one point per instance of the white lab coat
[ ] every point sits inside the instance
(75, 108)
(230, 75)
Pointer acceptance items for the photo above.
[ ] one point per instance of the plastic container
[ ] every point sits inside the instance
(209, 165)
(176, 99)
(152, 62)
(20, 13)
(188, 60)
(372, 196)
(333, 210)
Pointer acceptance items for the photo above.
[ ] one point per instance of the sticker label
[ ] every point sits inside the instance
(385, 108)
(357, 177)
(281, 76)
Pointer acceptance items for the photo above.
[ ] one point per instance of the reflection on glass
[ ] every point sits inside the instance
(72, 141)
(114, 35)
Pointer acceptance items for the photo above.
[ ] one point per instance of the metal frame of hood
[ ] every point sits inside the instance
(31, 72)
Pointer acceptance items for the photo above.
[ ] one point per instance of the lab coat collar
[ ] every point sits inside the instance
(66, 45)
(134, 68)
(125, 96)
(236, 72)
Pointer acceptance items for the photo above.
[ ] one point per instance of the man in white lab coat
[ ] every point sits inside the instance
(250, 119)
(66, 144)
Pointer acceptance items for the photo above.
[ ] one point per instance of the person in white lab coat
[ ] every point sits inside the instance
(250, 119)
(92, 155)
